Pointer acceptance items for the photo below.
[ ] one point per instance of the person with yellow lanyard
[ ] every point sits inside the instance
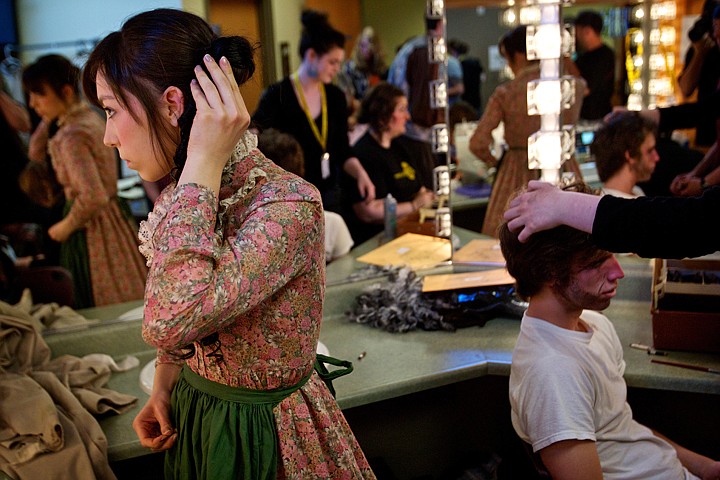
(307, 106)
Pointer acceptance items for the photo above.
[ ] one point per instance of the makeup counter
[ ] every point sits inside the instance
(433, 391)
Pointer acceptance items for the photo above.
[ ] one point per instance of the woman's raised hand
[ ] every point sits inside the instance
(219, 123)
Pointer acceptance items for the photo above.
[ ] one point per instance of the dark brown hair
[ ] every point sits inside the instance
(54, 71)
(548, 257)
(155, 50)
(318, 34)
(283, 149)
(623, 132)
(378, 106)
(514, 41)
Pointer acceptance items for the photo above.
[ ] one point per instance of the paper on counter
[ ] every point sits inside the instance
(456, 281)
(410, 250)
(480, 252)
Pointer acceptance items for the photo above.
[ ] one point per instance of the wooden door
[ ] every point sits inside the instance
(241, 17)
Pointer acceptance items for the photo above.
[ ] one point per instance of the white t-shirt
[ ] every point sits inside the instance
(636, 192)
(338, 240)
(568, 385)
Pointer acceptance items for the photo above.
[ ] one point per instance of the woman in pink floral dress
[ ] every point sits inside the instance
(236, 257)
(97, 232)
(508, 104)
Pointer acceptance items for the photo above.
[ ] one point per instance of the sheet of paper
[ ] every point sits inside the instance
(410, 250)
(455, 281)
(480, 252)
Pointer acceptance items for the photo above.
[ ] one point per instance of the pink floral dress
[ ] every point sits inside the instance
(251, 267)
(87, 171)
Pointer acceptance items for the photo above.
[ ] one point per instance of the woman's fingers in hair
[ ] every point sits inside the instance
(220, 91)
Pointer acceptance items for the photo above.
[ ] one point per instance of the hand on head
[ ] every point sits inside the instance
(222, 117)
(533, 211)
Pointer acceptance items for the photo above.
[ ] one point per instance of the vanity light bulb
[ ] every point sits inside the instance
(438, 94)
(530, 15)
(638, 12)
(435, 8)
(667, 36)
(440, 138)
(437, 49)
(634, 102)
(509, 18)
(657, 62)
(663, 11)
(544, 97)
(638, 38)
(660, 86)
(543, 41)
(544, 150)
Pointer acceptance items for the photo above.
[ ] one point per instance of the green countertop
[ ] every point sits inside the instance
(393, 365)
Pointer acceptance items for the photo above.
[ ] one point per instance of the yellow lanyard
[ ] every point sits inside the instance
(321, 138)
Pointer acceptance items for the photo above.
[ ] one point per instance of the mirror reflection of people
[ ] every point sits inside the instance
(235, 248)
(285, 151)
(701, 69)
(97, 232)
(508, 104)
(596, 62)
(624, 152)
(396, 163)
(307, 106)
(568, 396)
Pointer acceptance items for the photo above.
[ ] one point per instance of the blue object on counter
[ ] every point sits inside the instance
(475, 190)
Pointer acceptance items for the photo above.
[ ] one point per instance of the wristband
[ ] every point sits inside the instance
(703, 184)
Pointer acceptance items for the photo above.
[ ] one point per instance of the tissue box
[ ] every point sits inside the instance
(686, 304)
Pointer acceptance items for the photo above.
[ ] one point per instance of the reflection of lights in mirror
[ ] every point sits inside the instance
(548, 42)
(439, 134)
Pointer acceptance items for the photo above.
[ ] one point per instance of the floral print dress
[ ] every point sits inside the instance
(87, 171)
(250, 266)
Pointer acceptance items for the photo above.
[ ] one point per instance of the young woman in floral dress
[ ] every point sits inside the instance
(236, 257)
(97, 232)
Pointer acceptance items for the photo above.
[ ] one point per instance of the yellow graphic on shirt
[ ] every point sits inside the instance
(406, 172)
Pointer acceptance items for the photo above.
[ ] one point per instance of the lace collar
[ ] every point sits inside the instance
(148, 227)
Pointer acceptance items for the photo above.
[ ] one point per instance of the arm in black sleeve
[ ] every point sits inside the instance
(663, 227)
(689, 115)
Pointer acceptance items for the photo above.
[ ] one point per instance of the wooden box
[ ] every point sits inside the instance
(686, 304)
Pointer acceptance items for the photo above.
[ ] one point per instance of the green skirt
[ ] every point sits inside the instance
(74, 257)
(223, 432)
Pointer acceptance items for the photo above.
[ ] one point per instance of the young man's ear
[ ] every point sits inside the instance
(628, 158)
(173, 105)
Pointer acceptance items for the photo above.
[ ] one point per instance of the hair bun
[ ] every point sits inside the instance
(314, 20)
(239, 52)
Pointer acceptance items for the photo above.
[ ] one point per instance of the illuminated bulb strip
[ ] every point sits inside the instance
(663, 11)
(529, 15)
(438, 94)
(437, 49)
(440, 138)
(435, 9)
(550, 96)
(543, 42)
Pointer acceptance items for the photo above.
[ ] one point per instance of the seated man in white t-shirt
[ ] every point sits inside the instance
(624, 152)
(567, 392)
